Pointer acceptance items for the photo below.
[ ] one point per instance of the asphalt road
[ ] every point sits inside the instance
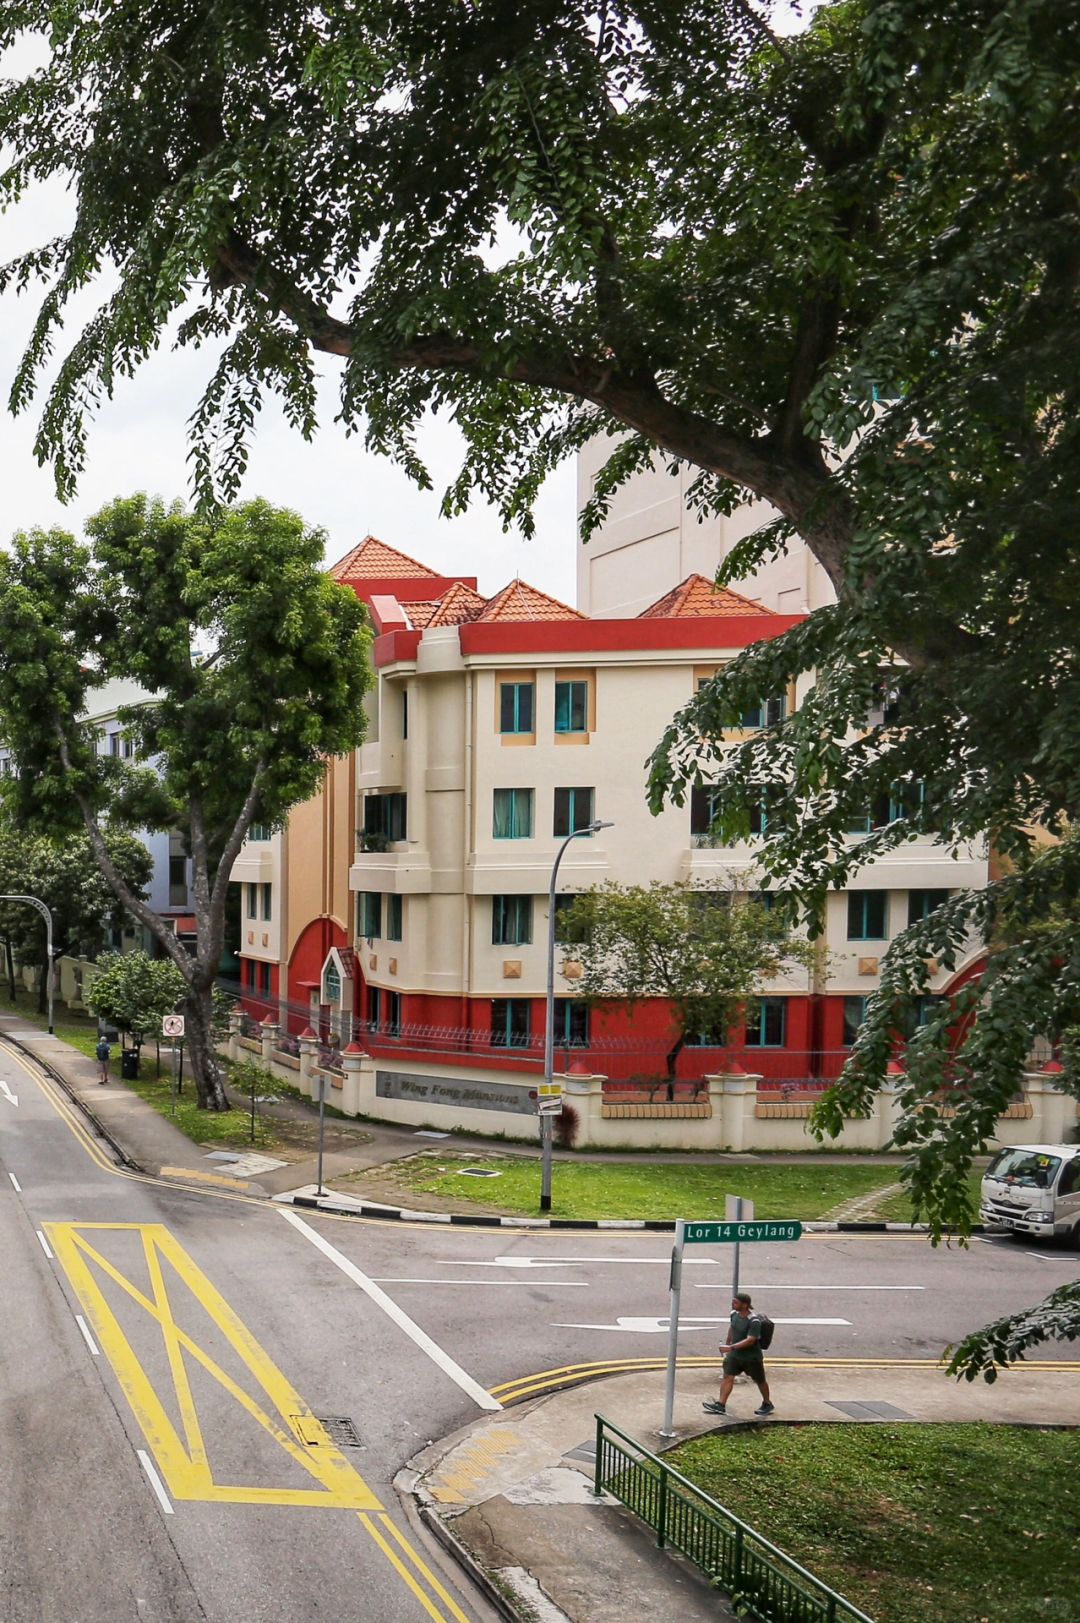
(204, 1399)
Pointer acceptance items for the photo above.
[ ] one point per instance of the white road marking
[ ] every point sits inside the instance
(577, 1262)
(660, 1326)
(471, 1388)
(704, 1286)
(12, 1098)
(1040, 1256)
(155, 1481)
(44, 1244)
(15, 1184)
(492, 1284)
(87, 1337)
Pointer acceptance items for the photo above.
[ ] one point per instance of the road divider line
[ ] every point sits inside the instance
(87, 1337)
(491, 1284)
(420, 1338)
(45, 1246)
(155, 1481)
(15, 1184)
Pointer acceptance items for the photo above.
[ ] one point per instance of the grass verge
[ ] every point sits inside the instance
(914, 1524)
(599, 1190)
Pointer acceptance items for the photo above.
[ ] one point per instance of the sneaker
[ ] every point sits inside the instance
(766, 1408)
(713, 1407)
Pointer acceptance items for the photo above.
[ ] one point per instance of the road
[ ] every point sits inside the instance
(204, 1399)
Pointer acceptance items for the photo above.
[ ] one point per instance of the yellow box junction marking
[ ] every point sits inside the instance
(183, 1461)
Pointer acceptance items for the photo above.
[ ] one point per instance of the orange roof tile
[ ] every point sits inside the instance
(520, 601)
(374, 560)
(421, 614)
(697, 598)
(459, 604)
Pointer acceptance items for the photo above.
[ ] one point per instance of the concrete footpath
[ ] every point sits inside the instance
(510, 1495)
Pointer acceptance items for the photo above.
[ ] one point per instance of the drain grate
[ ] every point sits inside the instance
(477, 1172)
(870, 1411)
(314, 1429)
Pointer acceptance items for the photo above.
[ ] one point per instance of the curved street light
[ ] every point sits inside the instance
(549, 1012)
(47, 916)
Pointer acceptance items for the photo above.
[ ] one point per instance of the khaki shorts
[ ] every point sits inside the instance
(748, 1362)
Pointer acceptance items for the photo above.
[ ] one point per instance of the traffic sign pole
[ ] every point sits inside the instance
(675, 1288)
(737, 1207)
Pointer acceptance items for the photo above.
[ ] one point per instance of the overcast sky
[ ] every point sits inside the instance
(139, 442)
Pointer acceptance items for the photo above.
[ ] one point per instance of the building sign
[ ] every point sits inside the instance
(453, 1091)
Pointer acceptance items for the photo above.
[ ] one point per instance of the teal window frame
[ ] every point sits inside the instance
(863, 909)
(572, 706)
(512, 814)
(920, 905)
(572, 1023)
(854, 1015)
(769, 713)
(574, 812)
(511, 1022)
(517, 707)
(511, 921)
(369, 914)
(395, 913)
(766, 1026)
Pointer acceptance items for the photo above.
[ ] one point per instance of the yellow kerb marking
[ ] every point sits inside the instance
(371, 1524)
(183, 1463)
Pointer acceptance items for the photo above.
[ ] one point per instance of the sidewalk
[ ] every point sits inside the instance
(514, 1490)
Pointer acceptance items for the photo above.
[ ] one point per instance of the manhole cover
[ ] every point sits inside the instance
(477, 1172)
(339, 1429)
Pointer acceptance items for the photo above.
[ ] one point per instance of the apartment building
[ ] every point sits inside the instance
(407, 905)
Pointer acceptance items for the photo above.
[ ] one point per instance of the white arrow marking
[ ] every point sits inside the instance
(655, 1327)
(12, 1098)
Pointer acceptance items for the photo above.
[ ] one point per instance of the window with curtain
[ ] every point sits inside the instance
(571, 707)
(854, 1015)
(511, 921)
(369, 914)
(394, 915)
(512, 817)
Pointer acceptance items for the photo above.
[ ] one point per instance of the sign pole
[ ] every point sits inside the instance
(675, 1288)
(737, 1208)
(322, 1130)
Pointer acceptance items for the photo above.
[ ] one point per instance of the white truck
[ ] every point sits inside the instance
(1034, 1189)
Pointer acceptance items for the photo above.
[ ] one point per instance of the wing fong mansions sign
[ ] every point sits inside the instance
(446, 1090)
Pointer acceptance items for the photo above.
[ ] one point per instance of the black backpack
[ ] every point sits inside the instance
(766, 1327)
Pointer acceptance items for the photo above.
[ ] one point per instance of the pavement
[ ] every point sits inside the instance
(511, 1494)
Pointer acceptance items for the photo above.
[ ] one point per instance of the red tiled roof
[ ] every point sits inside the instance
(459, 604)
(374, 560)
(422, 614)
(520, 601)
(696, 598)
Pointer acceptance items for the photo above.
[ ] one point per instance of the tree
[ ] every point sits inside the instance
(134, 992)
(61, 872)
(838, 271)
(253, 663)
(704, 952)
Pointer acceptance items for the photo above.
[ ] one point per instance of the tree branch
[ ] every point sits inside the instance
(231, 849)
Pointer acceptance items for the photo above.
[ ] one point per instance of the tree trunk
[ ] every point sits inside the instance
(672, 1057)
(43, 984)
(9, 959)
(202, 1054)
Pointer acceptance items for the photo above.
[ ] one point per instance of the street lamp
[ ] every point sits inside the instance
(46, 914)
(549, 1012)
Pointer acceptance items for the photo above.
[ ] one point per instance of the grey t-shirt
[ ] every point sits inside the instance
(743, 1325)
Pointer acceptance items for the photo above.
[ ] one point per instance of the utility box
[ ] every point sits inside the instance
(129, 1064)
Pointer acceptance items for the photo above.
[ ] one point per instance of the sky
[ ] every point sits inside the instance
(138, 441)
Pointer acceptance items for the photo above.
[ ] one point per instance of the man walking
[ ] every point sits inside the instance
(103, 1052)
(742, 1356)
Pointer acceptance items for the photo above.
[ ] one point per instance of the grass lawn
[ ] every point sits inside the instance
(914, 1524)
(641, 1189)
(897, 1208)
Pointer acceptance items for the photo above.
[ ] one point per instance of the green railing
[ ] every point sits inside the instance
(737, 1559)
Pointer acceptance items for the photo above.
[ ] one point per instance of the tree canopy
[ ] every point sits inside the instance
(837, 270)
(706, 952)
(243, 665)
(134, 992)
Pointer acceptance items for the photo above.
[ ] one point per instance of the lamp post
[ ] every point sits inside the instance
(46, 914)
(549, 1012)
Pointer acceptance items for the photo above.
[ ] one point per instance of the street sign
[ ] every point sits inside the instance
(549, 1099)
(172, 1025)
(725, 1233)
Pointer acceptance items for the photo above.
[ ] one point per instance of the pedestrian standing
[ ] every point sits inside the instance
(742, 1356)
(104, 1053)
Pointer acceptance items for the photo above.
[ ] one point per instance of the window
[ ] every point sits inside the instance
(374, 1006)
(516, 707)
(405, 715)
(867, 915)
(393, 1014)
(510, 1022)
(394, 915)
(385, 818)
(704, 799)
(573, 810)
(114, 743)
(265, 979)
(513, 814)
(854, 1015)
(571, 707)
(369, 914)
(902, 800)
(571, 1023)
(564, 933)
(1069, 1181)
(511, 921)
(260, 832)
(766, 1026)
(766, 714)
(127, 748)
(267, 902)
(253, 901)
(921, 903)
(920, 1012)
(331, 984)
(178, 889)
